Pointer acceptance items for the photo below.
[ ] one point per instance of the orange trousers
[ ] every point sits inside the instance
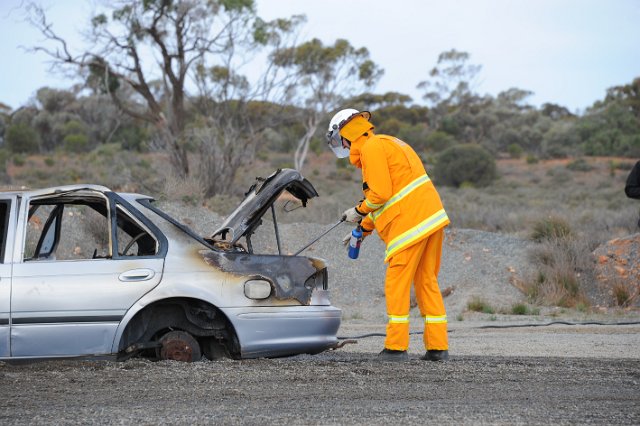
(420, 264)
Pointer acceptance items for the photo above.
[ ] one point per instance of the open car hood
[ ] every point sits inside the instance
(262, 194)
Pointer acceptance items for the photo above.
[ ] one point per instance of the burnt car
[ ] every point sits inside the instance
(90, 272)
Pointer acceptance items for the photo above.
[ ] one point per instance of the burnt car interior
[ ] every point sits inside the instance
(259, 199)
(81, 226)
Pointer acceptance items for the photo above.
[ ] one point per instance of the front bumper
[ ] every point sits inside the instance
(284, 331)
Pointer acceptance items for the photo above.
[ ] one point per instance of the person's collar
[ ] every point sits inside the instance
(356, 146)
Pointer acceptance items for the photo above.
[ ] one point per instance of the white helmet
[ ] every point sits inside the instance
(342, 117)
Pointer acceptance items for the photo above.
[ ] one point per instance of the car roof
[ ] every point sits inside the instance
(55, 189)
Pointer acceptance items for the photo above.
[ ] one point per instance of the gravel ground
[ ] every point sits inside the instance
(555, 375)
(559, 374)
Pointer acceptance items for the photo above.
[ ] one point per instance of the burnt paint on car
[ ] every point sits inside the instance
(287, 274)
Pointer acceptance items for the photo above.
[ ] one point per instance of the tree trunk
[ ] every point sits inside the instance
(302, 149)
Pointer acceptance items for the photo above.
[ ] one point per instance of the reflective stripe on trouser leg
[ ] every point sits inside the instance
(400, 272)
(429, 296)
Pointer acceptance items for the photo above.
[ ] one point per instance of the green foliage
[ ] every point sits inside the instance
(21, 138)
(132, 138)
(451, 80)
(610, 128)
(550, 228)
(76, 142)
(317, 145)
(415, 135)
(561, 140)
(237, 5)
(49, 162)
(390, 126)
(522, 309)
(439, 141)
(19, 160)
(515, 150)
(101, 78)
(54, 100)
(532, 159)
(4, 157)
(465, 163)
(73, 127)
(477, 304)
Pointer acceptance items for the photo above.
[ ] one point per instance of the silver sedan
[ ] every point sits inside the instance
(90, 272)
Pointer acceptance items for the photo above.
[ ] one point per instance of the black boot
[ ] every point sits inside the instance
(393, 356)
(436, 356)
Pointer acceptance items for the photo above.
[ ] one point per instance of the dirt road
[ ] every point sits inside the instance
(558, 382)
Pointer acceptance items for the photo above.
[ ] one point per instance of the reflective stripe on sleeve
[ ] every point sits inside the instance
(439, 319)
(400, 195)
(373, 206)
(426, 227)
(398, 319)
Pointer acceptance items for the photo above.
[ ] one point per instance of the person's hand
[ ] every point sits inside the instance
(347, 237)
(352, 215)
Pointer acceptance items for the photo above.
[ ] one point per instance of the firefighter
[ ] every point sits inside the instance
(403, 206)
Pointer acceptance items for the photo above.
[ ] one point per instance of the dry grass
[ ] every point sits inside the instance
(570, 206)
(477, 304)
(564, 273)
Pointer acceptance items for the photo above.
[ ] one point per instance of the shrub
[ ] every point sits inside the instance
(132, 138)
(520, 309)
(439, 141)
(477, 304)
(579, 165)
(465, 163)
(19, 160)
(559, 176)
(21, 138)
(621, 295)
(622, 165)
(49, 161)
(550, 228)
(532, 159)
(515, 150)
(76, 142)
(564, 269)
(341, 163)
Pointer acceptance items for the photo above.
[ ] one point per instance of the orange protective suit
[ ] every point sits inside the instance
(403, 206)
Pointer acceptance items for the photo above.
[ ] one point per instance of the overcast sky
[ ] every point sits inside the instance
(565, 51)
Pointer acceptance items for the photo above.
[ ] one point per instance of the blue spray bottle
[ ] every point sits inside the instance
(354, 242)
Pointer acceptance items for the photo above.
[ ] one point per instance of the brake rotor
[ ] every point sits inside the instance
(179, 346)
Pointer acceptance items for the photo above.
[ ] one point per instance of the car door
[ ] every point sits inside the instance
(7, 229)
(82, 262)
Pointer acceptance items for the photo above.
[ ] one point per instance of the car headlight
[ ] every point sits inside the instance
(257, 289)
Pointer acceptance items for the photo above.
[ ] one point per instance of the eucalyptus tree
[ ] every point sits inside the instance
(159, 49)
(450, 86)
(324, 77)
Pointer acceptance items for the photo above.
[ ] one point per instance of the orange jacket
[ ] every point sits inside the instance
(400, 202)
